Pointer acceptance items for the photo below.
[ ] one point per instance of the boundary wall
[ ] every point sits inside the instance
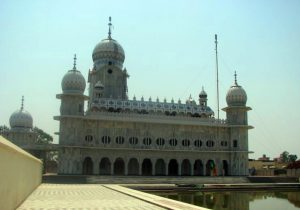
(20, 174)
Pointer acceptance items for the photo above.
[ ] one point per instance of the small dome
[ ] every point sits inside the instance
(73, 82)
(21, 119)
(203, 94)
(99, 85)
(109, 50)
(236, 95)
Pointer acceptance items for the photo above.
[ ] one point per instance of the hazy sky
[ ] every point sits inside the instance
(169, 47)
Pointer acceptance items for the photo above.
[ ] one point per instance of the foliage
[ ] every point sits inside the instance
(284, 156)
(42, 137)
(3, 128)
(287, 157)
(292, 158)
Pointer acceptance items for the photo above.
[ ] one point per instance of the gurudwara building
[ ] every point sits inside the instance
(115, 135)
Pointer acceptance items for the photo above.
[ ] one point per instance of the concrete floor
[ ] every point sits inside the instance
(96, 197)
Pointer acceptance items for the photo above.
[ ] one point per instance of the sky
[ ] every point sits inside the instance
(170, 53)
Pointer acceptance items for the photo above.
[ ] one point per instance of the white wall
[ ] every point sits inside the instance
(20, 174)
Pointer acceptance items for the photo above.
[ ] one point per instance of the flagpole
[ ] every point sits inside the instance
(217, 72)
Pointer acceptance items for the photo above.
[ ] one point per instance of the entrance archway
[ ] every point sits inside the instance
(225, 167)
(105, 166)
(173, 168)
(198, 168)
(119, 167)
(185, 168)
(160, 168)
(87, 167)
(147, 167)
(133, 167)
(211, 168)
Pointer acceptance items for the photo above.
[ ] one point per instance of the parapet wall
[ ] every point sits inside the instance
(20, 174)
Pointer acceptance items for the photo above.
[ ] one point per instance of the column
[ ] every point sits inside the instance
(179, 168)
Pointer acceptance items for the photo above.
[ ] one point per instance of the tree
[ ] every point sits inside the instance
(3, 128)
(284, 156)
(292, 158)
(42, 137)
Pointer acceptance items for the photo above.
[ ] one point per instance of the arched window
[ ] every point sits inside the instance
(185, 142)
(133, 140)
(198, 143)
(224, 143)
(120, 140)
(210, 143)
(105, 139)
(80, 108)
(173, 142)
(235, 143)
(160, 141)
(147, 141)
(88, 138)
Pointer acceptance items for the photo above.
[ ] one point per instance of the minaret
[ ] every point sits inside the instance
(236, 114)
(72, 98)
(203, 98)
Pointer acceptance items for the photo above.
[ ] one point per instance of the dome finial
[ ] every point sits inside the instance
(22, 103)
(109, 28)
(74, 65)
(235, 78)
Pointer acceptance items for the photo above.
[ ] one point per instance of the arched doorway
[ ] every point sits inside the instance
(133, 167)
(198, 168)
(119, 167)
(104, 166)
(185, 168)
(225, 167)
(211, 168)
(173, 168)
(87, 167)
(147, 167)
(160, 168)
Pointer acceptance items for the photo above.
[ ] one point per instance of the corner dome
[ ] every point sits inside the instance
(236, 95)
(99, 85)
(109, 50)
(73, 81)
(21, 119)
(203, 94)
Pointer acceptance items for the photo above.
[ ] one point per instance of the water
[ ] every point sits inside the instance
(238, 200)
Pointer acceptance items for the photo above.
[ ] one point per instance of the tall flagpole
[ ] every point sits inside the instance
(217, 69)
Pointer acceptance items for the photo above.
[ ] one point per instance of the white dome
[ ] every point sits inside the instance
(236, 96)
(99, 85)
(73, 82)
(21, 119)
(203, 94)
(109, 50)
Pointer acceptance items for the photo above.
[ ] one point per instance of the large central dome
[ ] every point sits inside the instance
(108, 52)
(108, 49)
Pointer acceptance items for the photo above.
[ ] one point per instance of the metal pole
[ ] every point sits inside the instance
(217, 69)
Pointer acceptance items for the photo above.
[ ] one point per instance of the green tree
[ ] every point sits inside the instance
(3, 128)
(42, 136)
(292, 158)
(285, 156)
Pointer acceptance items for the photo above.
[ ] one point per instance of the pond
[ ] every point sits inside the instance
(239, 200)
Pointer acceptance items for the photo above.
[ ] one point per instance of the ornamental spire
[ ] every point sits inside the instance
(235, 78)
(74, 64)
(109, 28)
(22, 103)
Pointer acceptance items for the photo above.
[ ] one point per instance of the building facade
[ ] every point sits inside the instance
(116, 135)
